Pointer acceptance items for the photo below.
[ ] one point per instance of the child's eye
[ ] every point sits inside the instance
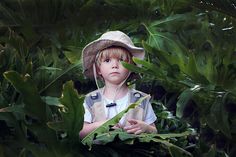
(121, 59)
(107, 60)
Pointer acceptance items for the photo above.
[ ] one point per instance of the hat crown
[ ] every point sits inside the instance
(117, 36)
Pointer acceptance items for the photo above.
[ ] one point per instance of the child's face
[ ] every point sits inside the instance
(112, 70)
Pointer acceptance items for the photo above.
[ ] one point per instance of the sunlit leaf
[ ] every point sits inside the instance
(72, 112)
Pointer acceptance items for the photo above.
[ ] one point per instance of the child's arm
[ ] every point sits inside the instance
(138, 127)
(89, 127)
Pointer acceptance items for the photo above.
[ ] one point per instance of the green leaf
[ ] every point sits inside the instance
(110, 136)
(210, 70)
(78, 63)
(72, 113)
(88, 140)
(8, 118)
(172, 135)
(49, 68)
(72, 54)
(134, 68)
(58, 126)
(163, 57)
(173, 149)
(178, 152)
(169, 19)
(43, 133)
(184, 98)
(34, 105)
(218, 117)
(17, 108)
(147, 68)
(107, 137)
(145, 64)
(54, 101)
(192, 70)
(148, 48)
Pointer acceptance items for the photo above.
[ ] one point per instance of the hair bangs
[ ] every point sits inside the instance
(114, 52)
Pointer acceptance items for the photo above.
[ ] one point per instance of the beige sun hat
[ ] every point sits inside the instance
(111, 38)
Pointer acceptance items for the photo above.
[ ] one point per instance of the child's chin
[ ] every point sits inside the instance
(116, 82)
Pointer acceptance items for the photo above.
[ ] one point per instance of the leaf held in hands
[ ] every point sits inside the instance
(88, 140)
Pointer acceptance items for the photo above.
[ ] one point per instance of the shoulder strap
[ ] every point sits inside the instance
(136, 95)
(92, 98)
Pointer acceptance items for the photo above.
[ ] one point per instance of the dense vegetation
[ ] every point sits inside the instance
(189, 70)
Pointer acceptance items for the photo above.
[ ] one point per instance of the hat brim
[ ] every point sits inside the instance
(90, 51)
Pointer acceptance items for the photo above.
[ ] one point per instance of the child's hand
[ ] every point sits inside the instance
(136, 127)
(117, 126)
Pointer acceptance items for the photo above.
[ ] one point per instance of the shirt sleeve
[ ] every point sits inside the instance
(87, 114)
(150, 116)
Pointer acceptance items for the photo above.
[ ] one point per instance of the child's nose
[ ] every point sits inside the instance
(115, 63)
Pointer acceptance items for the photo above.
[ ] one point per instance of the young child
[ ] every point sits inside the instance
(102, 60)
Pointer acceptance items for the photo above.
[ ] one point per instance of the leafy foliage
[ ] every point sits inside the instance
(204, 74)
(31, 133)
(190, 49)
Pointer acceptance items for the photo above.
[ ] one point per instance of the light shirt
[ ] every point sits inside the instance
(121, 104)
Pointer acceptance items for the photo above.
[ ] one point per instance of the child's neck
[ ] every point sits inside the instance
(114, 91)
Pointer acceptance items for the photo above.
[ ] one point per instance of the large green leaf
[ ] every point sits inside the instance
(107, 137)
(184, 98)
(173, 149)
(146, 138)
(218, 117)
(135, 69)
(33, 103)
(192, 70)
(72, 112)
(169, 19)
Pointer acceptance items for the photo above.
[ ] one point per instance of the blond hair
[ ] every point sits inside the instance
(114, 52)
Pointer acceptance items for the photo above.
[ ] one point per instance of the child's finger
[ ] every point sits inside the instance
(133, 130)
(131, 127)
(132, 121)
(127, 127)
(138, 132)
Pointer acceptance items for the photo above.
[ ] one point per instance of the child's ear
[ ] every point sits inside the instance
(99, 71)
